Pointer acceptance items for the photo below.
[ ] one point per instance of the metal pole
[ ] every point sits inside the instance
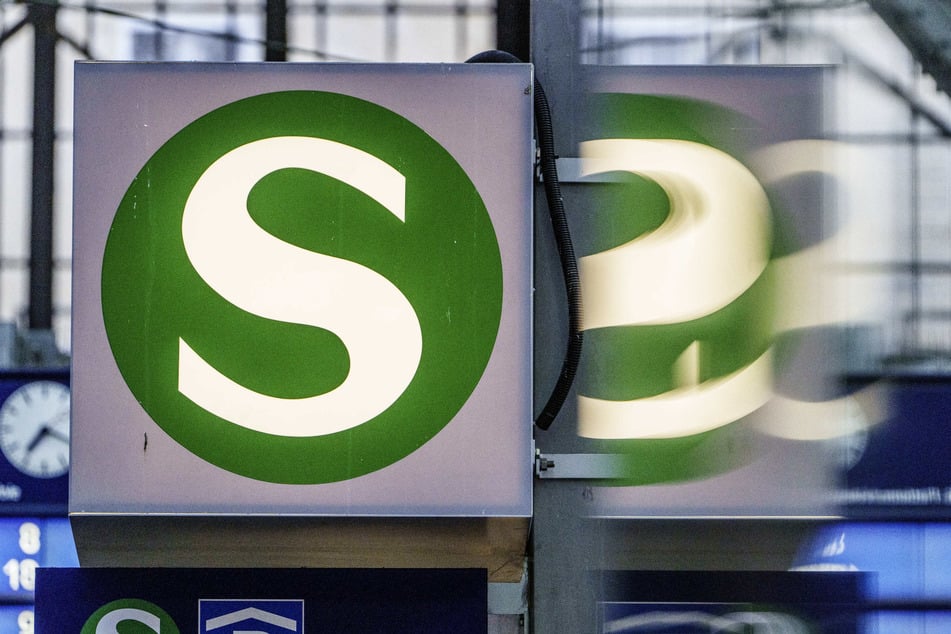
(43, 18)
(512, 32)
(565, 543)
(276, 31)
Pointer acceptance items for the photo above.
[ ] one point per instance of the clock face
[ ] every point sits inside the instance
(34, 429)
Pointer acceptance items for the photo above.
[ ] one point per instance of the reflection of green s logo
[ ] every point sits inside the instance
(130, 616)
(674, 283)
(677, 289)
(710, 251)
(303, 297)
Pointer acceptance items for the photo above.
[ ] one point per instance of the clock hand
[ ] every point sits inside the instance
(37, 438)
(58, 435)
(43, 432)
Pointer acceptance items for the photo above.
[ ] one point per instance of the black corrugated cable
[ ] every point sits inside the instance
(559, 221)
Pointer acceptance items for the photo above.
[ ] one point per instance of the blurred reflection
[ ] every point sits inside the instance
(707, 602)
(716, 332)
(911, 564)
(701, 622)
(711, 248)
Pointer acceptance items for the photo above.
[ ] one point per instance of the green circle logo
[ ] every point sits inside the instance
(130, 616)
(302, 287)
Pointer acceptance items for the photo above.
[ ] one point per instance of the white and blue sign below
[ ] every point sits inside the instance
(232, 616)
(260, 601)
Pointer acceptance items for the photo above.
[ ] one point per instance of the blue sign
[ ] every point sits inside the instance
(34, 442)
(910, 563)
(16, 618)
(267, 601)
(899, 467)
(27, 544)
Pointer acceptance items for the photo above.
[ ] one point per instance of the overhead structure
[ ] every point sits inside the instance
(923, 26)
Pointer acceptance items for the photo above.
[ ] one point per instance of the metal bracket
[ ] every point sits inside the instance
(510, 598)
(508, 604)
(578, 466)
(569, 171)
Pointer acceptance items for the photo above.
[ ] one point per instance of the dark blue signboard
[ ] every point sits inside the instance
(270, 601)
(901, 466)
(34, 442)
(703, 602)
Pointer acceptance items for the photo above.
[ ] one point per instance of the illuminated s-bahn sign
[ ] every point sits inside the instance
(305, 277)
(300, 288)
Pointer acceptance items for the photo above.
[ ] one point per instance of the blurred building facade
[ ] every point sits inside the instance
(334, 30)
(890, 122)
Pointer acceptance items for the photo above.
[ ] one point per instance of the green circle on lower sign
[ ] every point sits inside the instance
(302, 287)
(130, 616)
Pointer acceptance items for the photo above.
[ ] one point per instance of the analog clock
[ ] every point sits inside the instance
(34, 429)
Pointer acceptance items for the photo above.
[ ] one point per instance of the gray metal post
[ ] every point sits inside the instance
(565, 545)
(43, 17)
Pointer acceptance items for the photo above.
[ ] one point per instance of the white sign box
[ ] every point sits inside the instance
(302, 289)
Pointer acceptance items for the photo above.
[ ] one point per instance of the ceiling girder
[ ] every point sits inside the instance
(924, 26)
